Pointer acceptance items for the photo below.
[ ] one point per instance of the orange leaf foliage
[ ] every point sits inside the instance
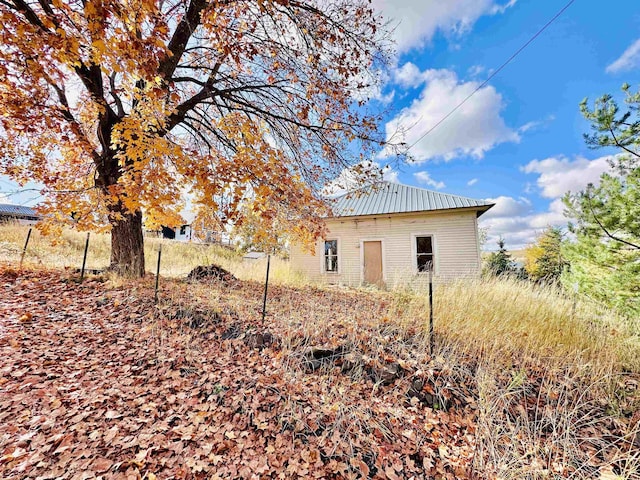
(118, 107)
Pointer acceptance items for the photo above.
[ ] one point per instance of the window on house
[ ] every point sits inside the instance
(331, 256)
(424, 254)
(183, 229)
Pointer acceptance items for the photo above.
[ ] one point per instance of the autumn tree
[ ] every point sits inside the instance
(605, 256)
(120, 108)
(544, 260)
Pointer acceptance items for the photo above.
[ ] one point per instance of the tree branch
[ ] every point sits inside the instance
(30, 15)
(613, 237)
(181, 37)
(618, 144)
(116, 98)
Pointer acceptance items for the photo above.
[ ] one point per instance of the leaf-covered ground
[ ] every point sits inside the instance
(97, 382)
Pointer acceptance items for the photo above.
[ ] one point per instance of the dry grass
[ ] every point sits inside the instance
(178, 258)
(515, 319)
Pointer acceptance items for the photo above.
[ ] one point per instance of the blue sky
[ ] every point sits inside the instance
(517, 141)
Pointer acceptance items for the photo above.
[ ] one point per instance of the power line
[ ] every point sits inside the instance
(493, 74)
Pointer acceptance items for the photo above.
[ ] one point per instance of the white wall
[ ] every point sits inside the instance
(455, 238)
(183, 237)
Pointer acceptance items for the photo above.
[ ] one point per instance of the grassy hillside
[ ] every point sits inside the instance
(523, 382)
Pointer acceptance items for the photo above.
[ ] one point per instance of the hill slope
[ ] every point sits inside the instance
(98, 382)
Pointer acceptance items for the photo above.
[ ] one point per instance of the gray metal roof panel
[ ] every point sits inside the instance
(387, 197)
(19, 210)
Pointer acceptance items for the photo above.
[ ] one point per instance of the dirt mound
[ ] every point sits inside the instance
(211, 272)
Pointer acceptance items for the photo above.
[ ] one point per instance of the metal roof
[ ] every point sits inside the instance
(17, 211)
(386, 197)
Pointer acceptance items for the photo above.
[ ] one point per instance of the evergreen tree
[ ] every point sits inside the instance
(605, 256)
(544, 260)
(500, 262)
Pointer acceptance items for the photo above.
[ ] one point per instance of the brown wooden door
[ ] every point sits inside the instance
(373, 262)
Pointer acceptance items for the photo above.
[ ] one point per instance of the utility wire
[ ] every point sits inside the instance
(495, 72)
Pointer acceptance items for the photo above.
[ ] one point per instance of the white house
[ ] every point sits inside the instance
(389, 233)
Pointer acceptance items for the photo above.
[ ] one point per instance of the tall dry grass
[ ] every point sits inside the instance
(511, 318)
(522, 344)
(501, 317)
(177, 260)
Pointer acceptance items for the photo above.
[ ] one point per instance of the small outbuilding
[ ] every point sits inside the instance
(388, 234)
(18, 213)
(181, 233)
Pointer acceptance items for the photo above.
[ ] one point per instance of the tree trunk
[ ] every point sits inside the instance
(127, 246)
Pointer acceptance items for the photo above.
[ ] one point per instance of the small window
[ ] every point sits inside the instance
(183, 229)
(424, 254)
(331, 256)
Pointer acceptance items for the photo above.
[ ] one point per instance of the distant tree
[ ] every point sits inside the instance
(605, 256)
(544, 260)
(261, 231)
(500, 262)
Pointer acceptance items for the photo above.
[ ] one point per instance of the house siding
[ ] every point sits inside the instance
(455, 238)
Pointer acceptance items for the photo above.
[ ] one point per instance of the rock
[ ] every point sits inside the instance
(416, 387)
(259, 340)
(417, 390)
(352, 362)
(387, 374)
(232, 332)
(316, 357)
(320, 353)
(311, 365)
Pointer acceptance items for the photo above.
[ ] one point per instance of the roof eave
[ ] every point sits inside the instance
(480, 209)
(485, 208)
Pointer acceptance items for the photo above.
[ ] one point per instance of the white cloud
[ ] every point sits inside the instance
(536, 124)
(629, 59)
(408, 76)
(473, 129)
(508, 207)
(472, 182)
(417, 21)
(515, 220)
(425, 178)
(558, 175)
(390, 175)
(519, 231)
(476, 70)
